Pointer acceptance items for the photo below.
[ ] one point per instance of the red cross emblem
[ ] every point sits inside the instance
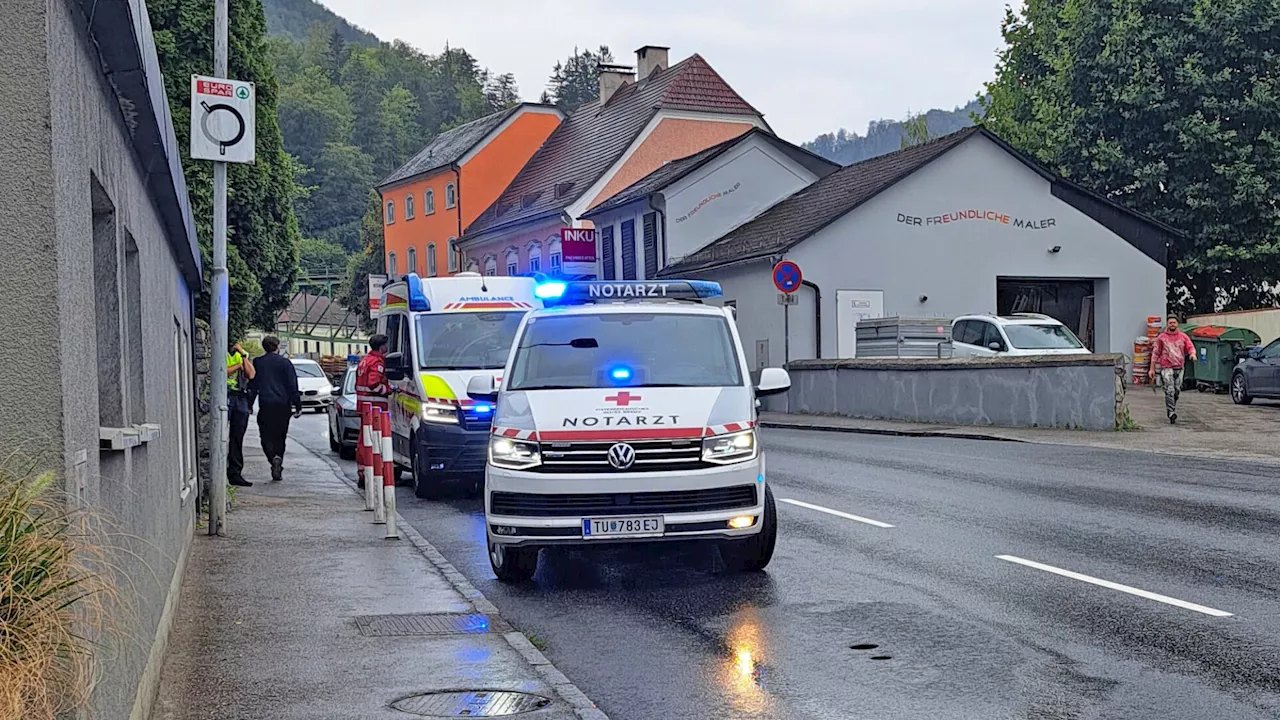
(622, 399)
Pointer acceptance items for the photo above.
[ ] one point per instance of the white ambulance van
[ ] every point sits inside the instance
(626, 413)
(443, 332)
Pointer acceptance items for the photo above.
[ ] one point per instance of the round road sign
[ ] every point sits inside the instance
(786, 276)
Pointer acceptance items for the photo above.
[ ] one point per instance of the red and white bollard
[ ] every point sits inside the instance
(389, 478)
(364, 456)
(375, 444)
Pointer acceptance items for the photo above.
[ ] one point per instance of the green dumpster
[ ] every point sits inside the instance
(1218, 349)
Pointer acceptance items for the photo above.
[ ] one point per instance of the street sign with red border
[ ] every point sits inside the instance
(787, 277)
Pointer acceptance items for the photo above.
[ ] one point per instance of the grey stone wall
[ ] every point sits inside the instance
(204, 414)
(1082, 391)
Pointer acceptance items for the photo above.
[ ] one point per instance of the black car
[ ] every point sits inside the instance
(1257, 375)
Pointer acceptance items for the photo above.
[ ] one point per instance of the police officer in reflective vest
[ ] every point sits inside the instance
(240, 371)
(372, 388)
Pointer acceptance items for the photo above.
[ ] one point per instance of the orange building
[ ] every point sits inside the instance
(429, 201)
(642, 119)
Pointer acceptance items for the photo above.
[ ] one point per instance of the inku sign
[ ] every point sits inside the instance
(991, 216)
(578, 251)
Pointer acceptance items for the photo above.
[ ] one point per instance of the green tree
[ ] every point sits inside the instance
(399, 136)
(915, 130)
(576, 81)
(369, 261)
(342, 177)
(263, 230)
(1168, 108)
(316, 256)
(501, 92)
(314, 113)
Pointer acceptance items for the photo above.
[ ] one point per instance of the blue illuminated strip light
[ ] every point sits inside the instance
(417, 299)
(593, 291)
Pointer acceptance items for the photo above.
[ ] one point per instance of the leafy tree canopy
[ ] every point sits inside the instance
(576, 81)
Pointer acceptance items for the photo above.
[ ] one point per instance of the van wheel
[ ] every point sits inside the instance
(425, 486)
(754, 553)
(513, 565)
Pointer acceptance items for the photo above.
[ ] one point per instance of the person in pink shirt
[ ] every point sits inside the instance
(1169, 353)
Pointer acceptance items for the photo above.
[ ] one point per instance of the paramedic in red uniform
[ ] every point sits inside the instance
(372, 388)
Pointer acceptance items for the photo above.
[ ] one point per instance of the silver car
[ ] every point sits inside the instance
(344, 421)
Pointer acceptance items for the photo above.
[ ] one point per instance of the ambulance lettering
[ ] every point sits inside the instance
(487, 298)
(623, 421)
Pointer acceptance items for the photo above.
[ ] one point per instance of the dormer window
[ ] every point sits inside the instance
(562, 189)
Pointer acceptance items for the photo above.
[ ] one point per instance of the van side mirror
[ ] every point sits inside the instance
(395, 366)
(773, 381)
(482, 387)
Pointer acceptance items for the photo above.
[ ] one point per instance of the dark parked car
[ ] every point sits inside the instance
(1257, 375)
(344, 421)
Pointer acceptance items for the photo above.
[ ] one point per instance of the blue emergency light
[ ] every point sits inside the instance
(417, 299)
(620, 373)
(599, 291)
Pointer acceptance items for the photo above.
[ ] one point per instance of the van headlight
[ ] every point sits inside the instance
(439, 413)
(729, 449)
(514, 454)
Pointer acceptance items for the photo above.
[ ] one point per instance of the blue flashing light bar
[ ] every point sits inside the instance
(620, 373)
(417, 300)
(593, 291)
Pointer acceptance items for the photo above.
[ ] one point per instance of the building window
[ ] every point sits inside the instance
(513, 262)
(491, 266)
(555, 257)
(429, 203)
(408, 207)
(453, 255)
(431, 260)
(391, 264)
(391, 211)
(411, 264)
(450, 196)
(535, 263)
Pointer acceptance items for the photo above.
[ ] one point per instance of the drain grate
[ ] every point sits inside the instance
(477, 703)
(429, 624)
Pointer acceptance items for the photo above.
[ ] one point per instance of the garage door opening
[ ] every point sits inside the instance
(1070, 302)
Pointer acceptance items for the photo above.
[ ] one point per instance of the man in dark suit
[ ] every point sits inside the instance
(276, 385)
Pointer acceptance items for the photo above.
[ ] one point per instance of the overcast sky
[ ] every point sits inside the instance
(811, 66)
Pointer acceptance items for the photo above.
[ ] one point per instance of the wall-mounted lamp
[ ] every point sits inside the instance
(1055, 249)
(924, 298)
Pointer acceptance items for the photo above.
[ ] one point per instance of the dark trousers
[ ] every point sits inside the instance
(273, 425)
(238, 416)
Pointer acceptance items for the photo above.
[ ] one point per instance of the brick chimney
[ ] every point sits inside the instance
(612, 78)
(650, 58)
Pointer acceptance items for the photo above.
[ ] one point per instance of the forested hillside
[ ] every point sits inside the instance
(292, 19)
(885, 136)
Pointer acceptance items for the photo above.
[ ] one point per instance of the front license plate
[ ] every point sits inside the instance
(621, 527)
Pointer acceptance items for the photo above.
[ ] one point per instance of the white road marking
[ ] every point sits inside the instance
(837, 513)
(1117, 586)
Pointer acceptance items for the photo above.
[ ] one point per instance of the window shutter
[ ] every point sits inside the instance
(651, 246)
(629, 250)
(607, 269)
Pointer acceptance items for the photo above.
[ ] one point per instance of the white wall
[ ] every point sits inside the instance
(955, 264)
(727, 192)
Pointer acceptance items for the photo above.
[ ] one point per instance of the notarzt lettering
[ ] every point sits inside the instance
(625, 290)
(624, 421)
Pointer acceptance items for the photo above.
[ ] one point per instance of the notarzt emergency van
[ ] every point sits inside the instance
(443, 332)
(626, 413)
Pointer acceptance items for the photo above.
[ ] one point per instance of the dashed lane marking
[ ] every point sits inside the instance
(1116, 586)
(837, 513)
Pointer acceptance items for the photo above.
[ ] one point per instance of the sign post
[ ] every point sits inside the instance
(376, 284)
(578, 251)
(222, 130)
(787, 278)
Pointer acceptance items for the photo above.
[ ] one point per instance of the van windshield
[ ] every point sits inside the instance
(466, 340)
(1041, 337)
(625, 350)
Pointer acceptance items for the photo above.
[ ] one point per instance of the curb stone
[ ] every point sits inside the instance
(559, 682)
(783, 425)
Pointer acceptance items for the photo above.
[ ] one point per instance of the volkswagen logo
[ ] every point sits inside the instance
(622, 456)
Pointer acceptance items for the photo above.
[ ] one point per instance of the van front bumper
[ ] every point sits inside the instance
(452, 450)
(531, 508)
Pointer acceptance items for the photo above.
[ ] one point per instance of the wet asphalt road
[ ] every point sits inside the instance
(924, 619)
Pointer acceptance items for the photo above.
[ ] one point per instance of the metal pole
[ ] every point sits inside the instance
(218, 307)
(786, 334)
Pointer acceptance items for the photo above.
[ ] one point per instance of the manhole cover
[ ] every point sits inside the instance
(429, 624)
(477, 703)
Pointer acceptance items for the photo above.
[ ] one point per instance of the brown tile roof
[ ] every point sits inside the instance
(796, 218)
(593, 138)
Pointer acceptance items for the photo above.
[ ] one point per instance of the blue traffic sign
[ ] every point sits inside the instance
(786, 276)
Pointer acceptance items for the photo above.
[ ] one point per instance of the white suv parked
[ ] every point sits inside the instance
(1014, 335)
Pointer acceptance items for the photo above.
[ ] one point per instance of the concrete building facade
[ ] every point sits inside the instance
(960, 225)
(100, 272)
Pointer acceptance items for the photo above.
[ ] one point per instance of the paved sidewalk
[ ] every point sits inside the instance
(272, 618)
(1209, 426)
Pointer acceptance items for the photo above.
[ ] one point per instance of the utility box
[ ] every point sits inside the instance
(899, 337)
